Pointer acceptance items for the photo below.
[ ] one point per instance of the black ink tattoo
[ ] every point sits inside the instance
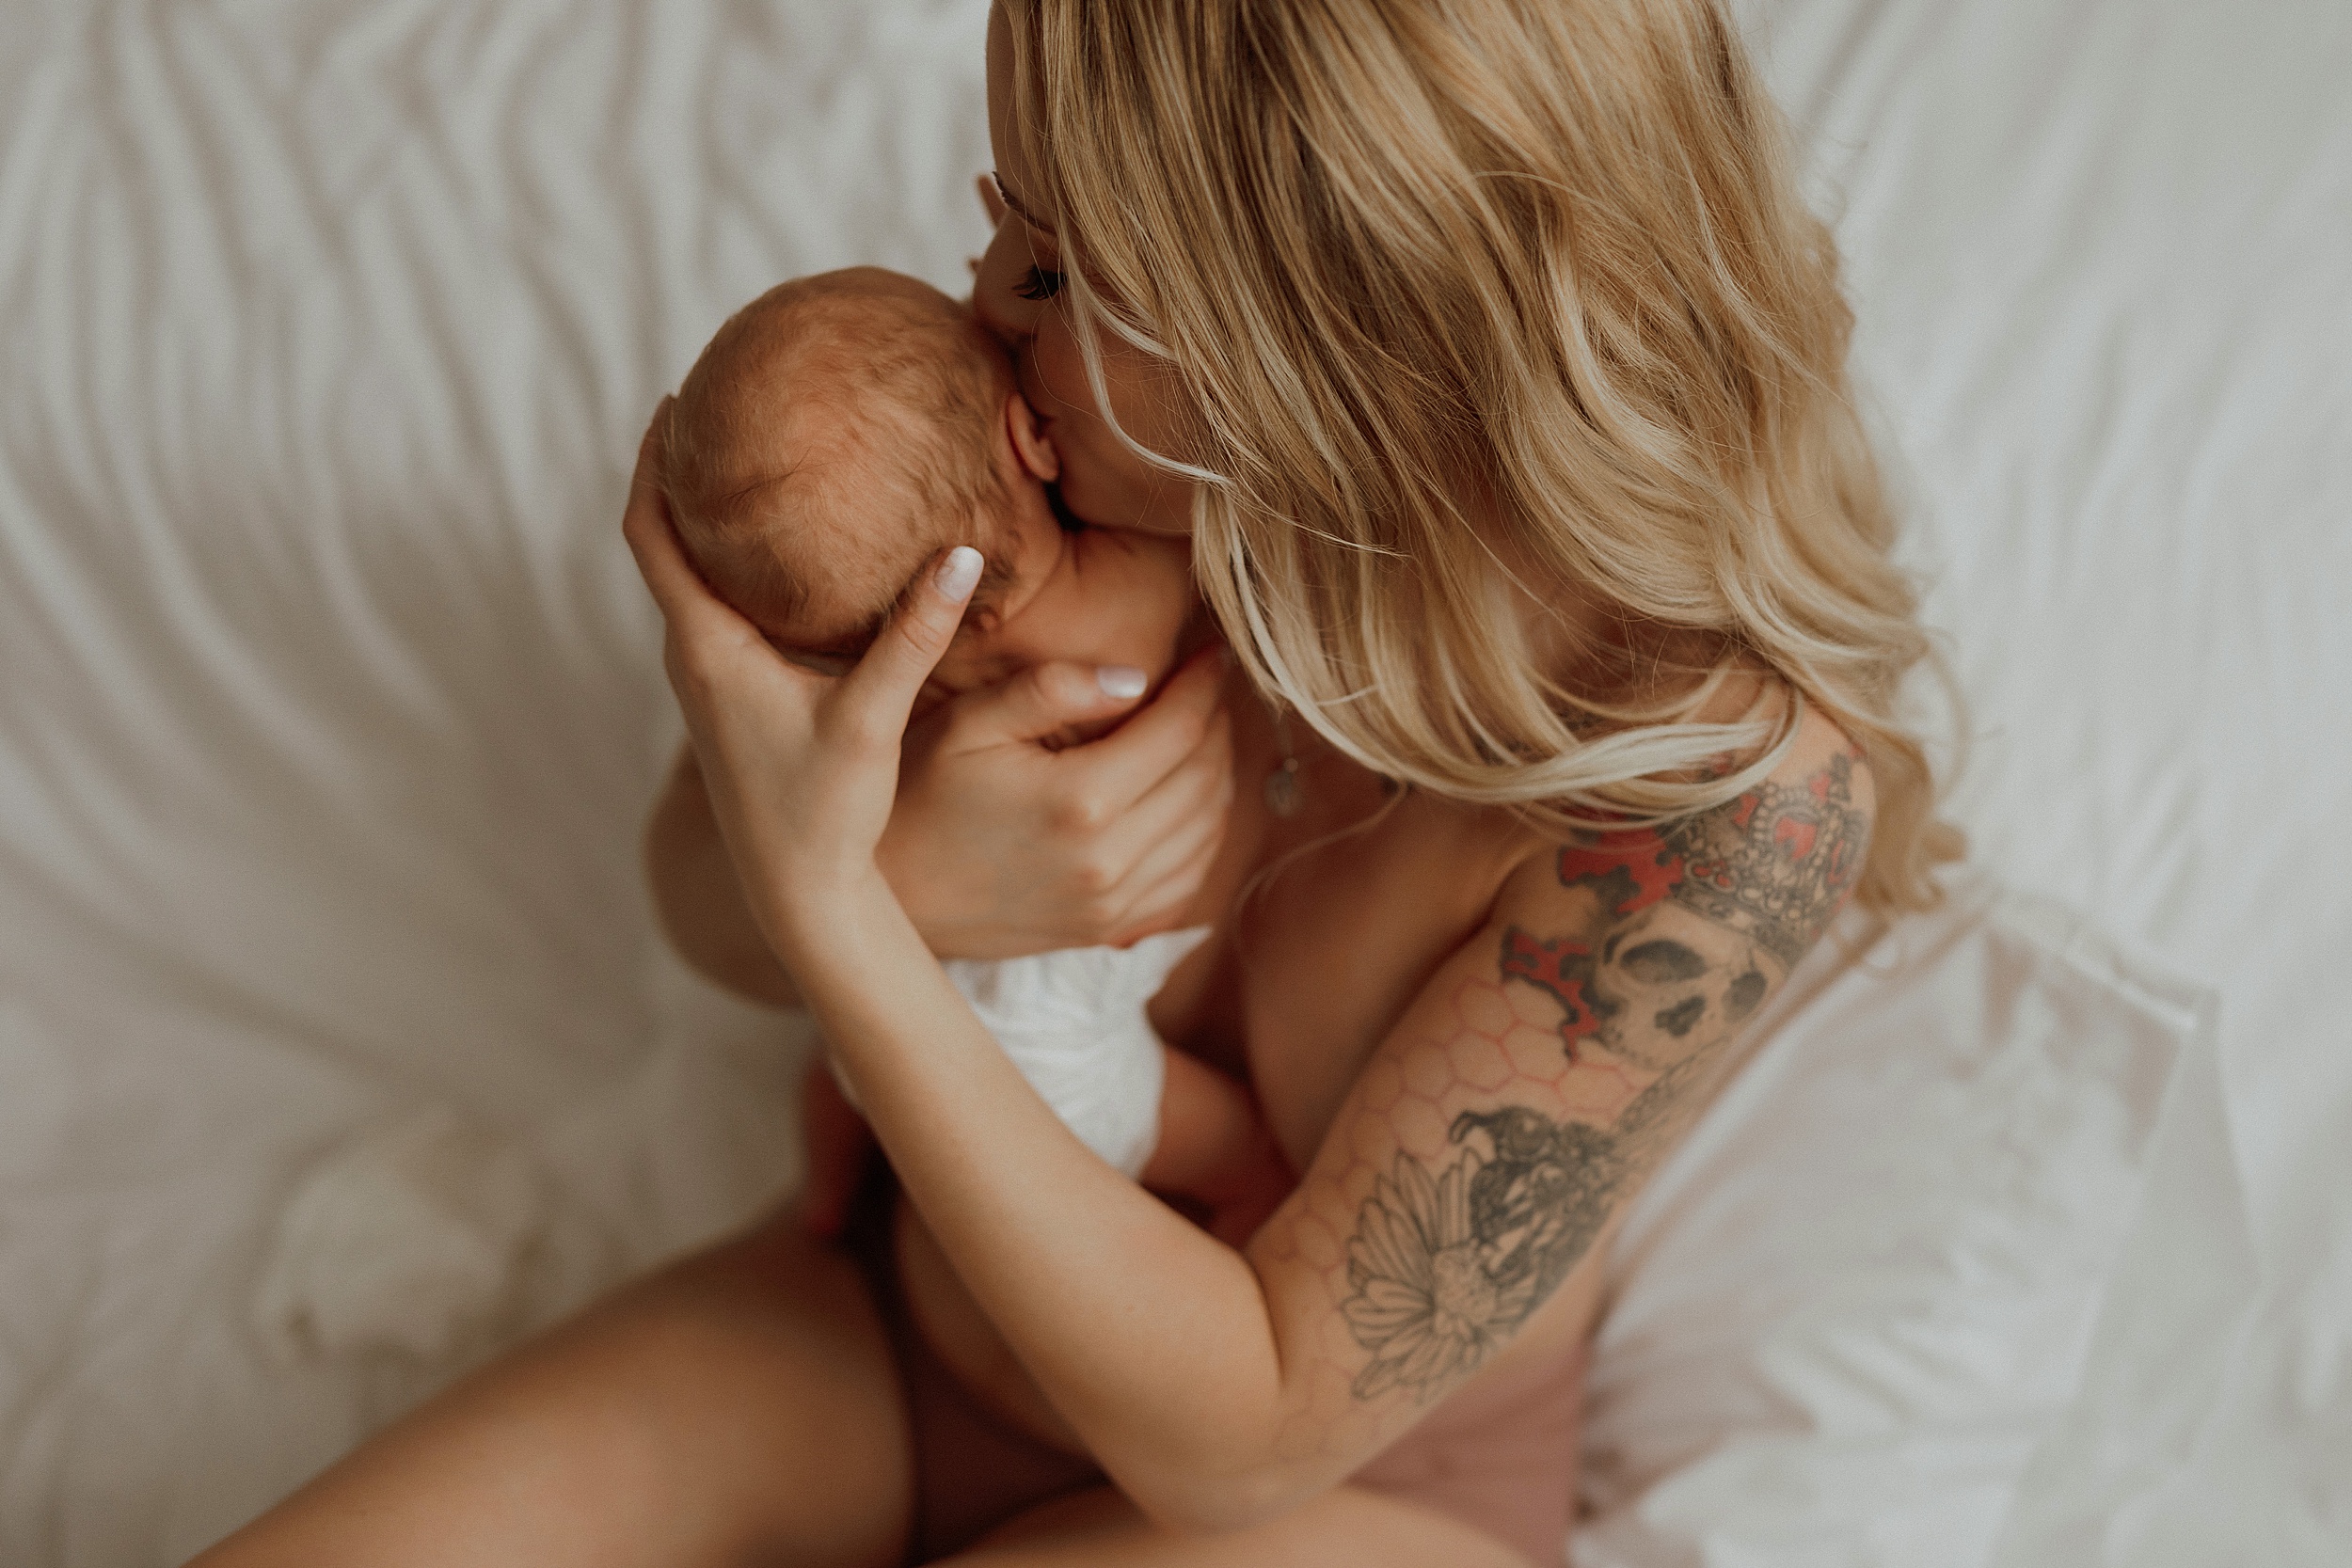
(1777, 863)
(1663, 960)
(1446, 1264)
(1445, 1267)
(1680, 1018)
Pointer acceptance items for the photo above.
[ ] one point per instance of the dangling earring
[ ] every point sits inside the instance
(1285, 790)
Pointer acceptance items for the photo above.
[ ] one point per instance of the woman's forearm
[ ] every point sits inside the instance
(1152, 1339)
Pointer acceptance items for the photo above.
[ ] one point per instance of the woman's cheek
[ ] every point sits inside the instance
(1103, 482)
(1057, 369)
(1092, 458)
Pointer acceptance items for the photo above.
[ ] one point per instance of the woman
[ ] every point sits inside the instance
(1490, 360)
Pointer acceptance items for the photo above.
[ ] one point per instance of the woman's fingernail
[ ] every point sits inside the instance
(1120, 681)
(958, 573)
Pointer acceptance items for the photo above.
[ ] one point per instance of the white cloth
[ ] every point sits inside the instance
(409, 1236)
(1072, 1021)
(428, 1233)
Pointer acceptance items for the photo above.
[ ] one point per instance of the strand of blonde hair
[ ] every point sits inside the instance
(1483, 307)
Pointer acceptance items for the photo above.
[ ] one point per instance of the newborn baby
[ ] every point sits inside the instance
(837, 433)
(832, 402)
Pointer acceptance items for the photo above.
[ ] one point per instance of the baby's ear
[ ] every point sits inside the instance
(1036, 455)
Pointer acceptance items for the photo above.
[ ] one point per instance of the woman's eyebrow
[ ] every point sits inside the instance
(1017, 204)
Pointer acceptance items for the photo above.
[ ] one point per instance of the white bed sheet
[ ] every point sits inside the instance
(1850, 1316)
(2102, 255)
(329, 700)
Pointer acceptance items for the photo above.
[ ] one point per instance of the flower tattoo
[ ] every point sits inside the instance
(1444, 1268)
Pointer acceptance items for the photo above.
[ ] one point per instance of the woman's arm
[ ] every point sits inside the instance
(697, 898)
(997, 847)
(1511, 1114)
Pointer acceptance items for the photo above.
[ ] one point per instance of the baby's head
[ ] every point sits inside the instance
(842, 430)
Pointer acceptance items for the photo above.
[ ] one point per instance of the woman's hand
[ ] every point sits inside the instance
(1001, 847)
(801, 768)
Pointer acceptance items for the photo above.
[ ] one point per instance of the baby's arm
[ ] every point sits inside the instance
(1216, 1149)
(697, 898)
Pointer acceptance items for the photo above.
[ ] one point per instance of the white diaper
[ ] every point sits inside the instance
(1073, 1022)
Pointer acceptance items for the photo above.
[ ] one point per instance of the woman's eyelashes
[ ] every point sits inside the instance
(1039, 284)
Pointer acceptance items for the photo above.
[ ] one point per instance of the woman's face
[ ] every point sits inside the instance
(1101, 480)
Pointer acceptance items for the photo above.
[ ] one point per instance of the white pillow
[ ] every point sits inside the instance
(1846, 1312)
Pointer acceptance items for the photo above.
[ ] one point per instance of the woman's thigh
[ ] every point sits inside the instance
(739, 1406)
(1347, 1527)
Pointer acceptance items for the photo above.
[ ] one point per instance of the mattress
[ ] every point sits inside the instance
(331, 703)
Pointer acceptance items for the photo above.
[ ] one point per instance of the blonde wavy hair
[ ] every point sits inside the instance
(1484, 306)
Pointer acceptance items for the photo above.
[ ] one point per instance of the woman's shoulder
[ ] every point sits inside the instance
(1782, 857)
(1765, 869)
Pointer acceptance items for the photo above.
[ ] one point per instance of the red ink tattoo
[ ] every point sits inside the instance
(1629, 870)
(1560, 970)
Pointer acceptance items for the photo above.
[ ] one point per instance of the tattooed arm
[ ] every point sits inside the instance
(1512, 1112)
(1549, 1064)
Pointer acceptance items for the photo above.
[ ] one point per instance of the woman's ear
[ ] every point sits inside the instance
(1029, 444)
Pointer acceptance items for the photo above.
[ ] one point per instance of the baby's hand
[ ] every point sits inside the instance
(1256, 1188)
(1215, 1153)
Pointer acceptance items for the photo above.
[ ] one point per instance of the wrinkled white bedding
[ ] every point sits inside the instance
(1851, 1312)
(329, 700)
(2101, 254)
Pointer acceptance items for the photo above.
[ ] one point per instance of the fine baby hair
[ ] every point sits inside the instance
(853, 393)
